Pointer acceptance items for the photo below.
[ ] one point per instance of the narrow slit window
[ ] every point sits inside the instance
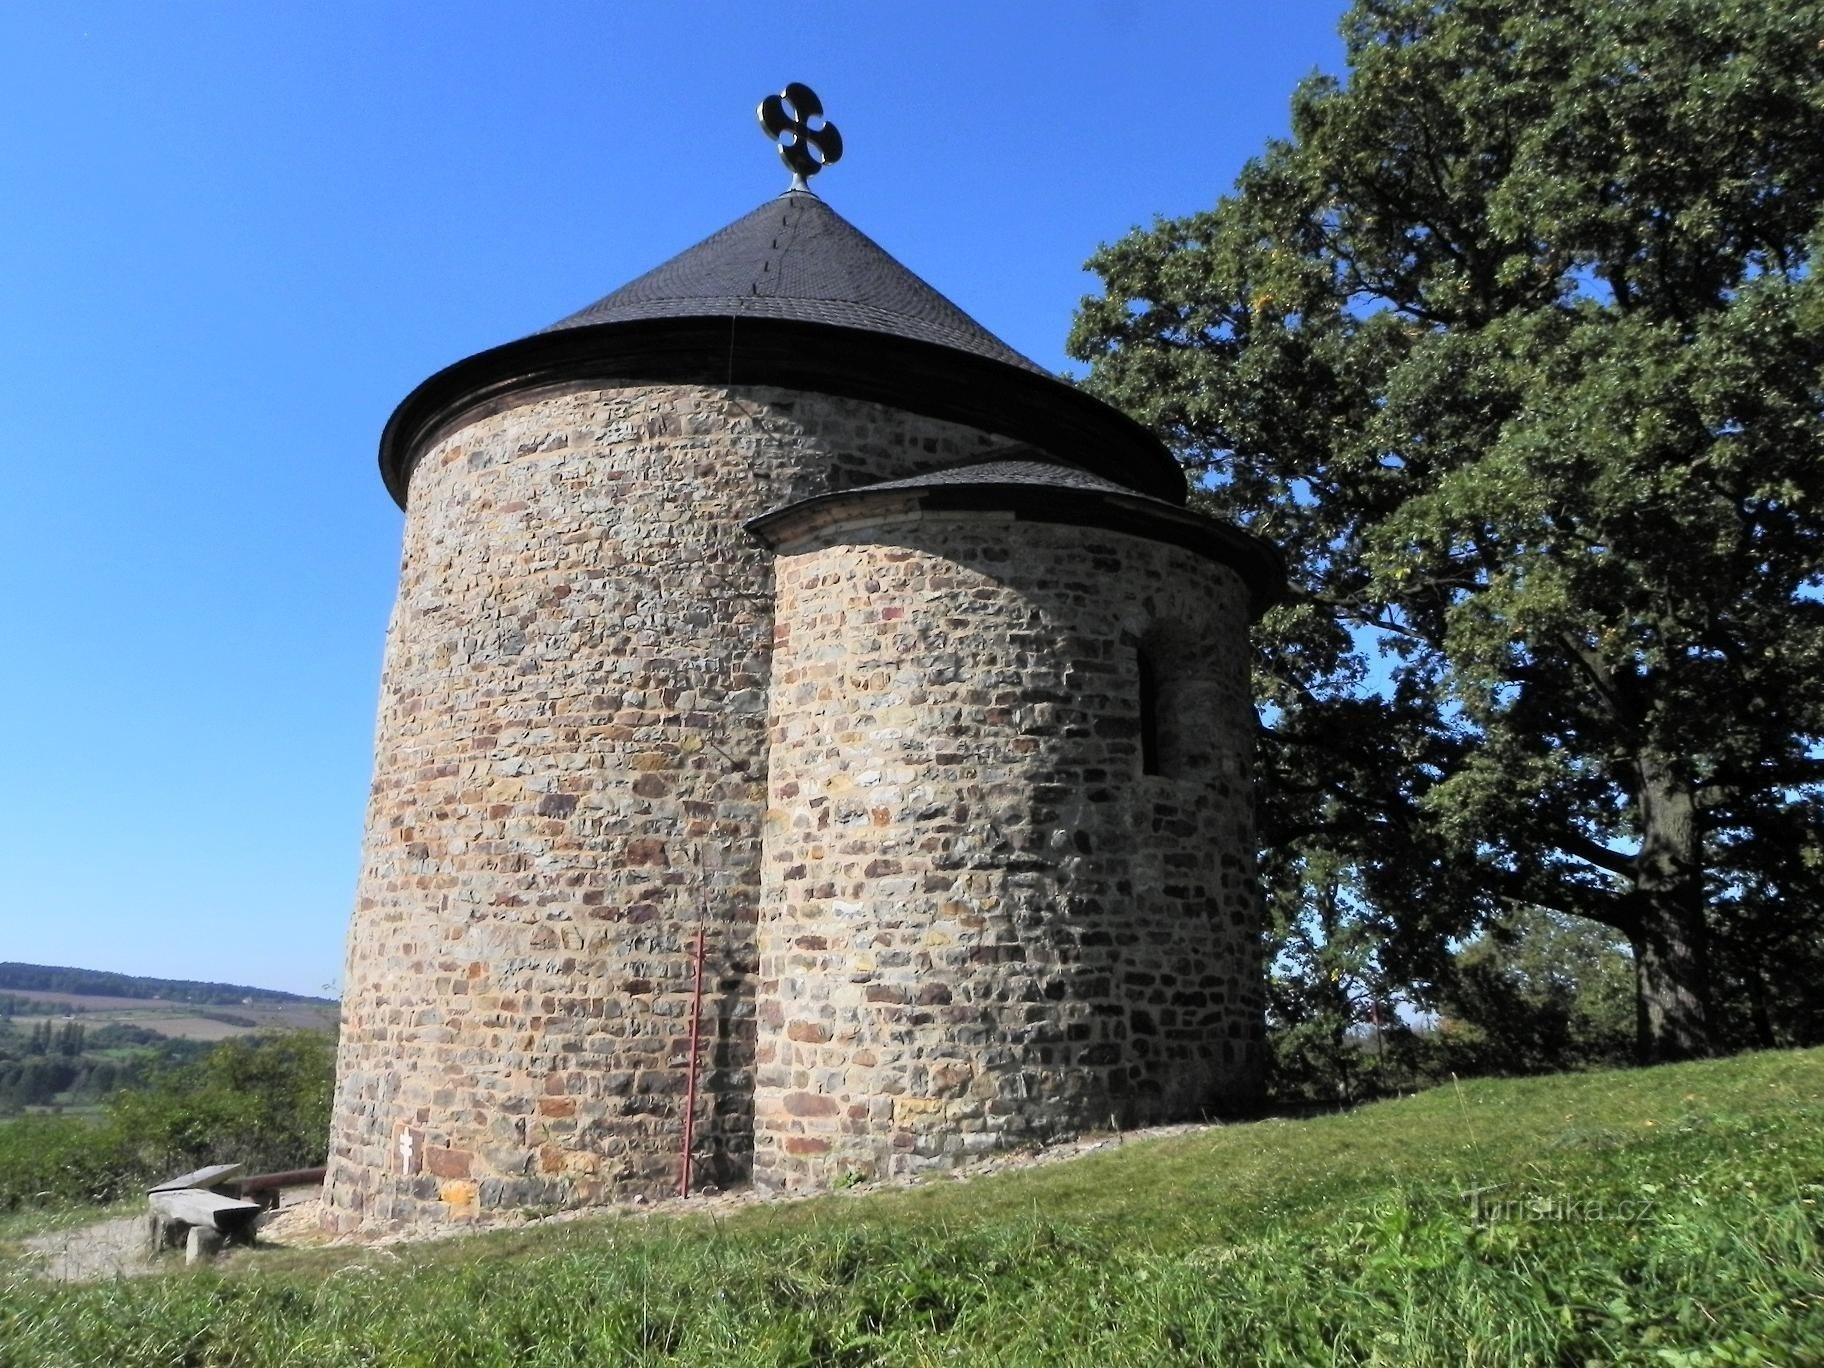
(1149, 716)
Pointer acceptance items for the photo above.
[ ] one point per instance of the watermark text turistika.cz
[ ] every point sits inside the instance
(1492, 1205)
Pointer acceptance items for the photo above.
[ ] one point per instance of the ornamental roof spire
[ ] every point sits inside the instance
(807, 142)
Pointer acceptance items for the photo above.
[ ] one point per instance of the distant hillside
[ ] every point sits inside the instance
(56, 978)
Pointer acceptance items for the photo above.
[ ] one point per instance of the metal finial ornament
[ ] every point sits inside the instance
(788, 118)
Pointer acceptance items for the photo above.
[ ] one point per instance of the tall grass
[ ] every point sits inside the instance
(1664, 1217)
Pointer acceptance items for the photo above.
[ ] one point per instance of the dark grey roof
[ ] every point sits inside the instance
(794, 297)
(1022, 481)
(796, 258)
(1018, 470)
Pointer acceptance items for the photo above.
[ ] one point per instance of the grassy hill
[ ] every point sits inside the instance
(1666, 1217)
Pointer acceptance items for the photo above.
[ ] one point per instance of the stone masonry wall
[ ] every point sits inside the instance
(568, 778)
(982, 924)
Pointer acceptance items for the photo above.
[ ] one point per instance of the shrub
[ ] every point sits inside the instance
(258, 1100)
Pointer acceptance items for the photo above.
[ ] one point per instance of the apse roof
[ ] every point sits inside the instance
(1030, 468)
(1023, 482)
(796, 258)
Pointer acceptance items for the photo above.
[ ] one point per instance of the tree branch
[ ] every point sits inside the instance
(1555, 896)
(1607, 690)
(1595, 853)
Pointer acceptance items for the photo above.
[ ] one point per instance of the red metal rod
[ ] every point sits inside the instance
(690, 1079)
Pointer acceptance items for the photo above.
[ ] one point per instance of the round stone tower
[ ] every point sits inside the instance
(771, 598)
(1007, 864)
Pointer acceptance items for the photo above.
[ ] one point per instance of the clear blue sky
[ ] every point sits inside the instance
(235, 235)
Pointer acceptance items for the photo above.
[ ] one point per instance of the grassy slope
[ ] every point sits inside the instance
(1667, 1216)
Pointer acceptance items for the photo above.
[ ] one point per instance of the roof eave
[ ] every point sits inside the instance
(1257, 562)
(921, 377)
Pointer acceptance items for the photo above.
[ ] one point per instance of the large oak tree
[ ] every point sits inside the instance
(1516, 347)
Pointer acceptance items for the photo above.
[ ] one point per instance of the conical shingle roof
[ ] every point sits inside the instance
(796, 258)
(792, 295)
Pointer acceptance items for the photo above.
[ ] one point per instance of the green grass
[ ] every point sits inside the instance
(1665, 1216)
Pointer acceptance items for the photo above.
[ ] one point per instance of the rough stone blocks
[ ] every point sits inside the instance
(945, 909)
(983, 922)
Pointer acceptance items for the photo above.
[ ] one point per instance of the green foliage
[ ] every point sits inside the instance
(60, 1160)
(71, 1064)
(1539, 993)
(121, 1035)
(259, 1100)
(1325, 985)
(69, 1039)
(1516, 347)
(11, 1005)
(36, 1080)
(1655, 1217)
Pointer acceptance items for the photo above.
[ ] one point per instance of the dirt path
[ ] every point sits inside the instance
(113, 1248)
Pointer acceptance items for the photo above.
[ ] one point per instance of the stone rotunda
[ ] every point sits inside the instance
(771, 604)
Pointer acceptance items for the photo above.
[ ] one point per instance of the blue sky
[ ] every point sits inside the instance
(234, 236)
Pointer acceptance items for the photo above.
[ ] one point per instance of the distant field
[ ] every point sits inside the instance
(180, 1027)
(178, 1020)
